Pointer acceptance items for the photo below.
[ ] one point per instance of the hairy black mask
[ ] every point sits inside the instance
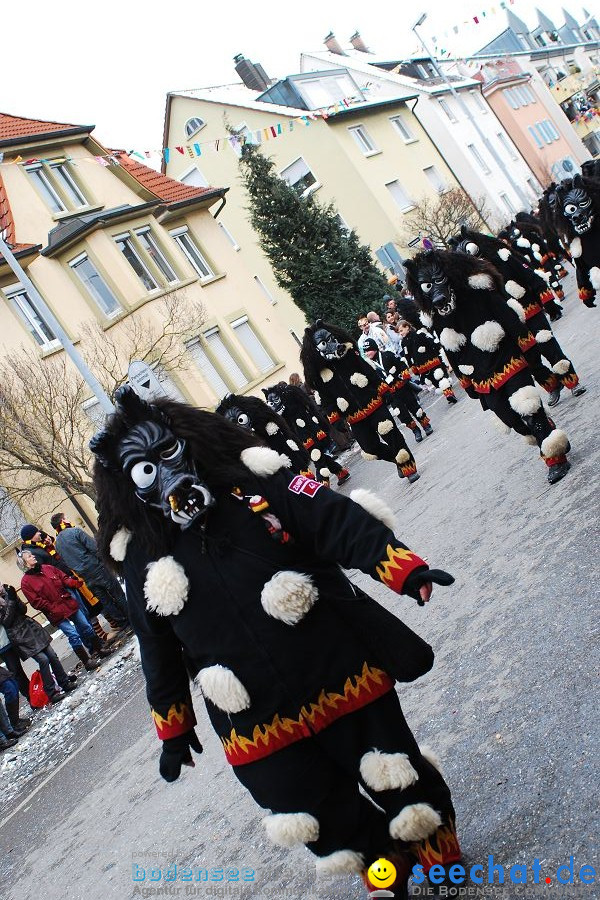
(435, 286)
(238, 417)
(578, 209)
(327, 345)
(274, 399)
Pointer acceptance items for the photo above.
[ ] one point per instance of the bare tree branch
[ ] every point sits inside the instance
(440, 218)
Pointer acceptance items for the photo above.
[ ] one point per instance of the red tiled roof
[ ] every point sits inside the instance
(165, 188)
(13, 128)
(7, 224)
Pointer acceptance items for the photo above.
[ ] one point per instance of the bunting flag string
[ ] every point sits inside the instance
(440, 41)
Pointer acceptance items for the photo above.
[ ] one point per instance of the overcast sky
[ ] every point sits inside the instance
(111, 64)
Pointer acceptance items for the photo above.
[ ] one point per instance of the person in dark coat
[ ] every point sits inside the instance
(8, 689)
(424, 358)
(79, 552)
(32, 642)
(232, 567)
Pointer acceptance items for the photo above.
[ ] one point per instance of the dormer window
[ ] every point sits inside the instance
(56, 185)
(192, 126)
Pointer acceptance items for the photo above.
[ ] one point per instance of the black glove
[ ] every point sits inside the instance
(176, 753)
(421, 576)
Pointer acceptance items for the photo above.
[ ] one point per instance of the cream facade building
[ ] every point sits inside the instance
(107, 241)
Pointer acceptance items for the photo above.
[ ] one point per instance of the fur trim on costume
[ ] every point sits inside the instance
(358, 379)
(271, 428)
(466, 370)
(342, 404)
(315, 420)
(315, 454)
(444, 384)
(529, 439)
(374, 505)
(385, 427)
(341, 862)
(368, 456)
(525, 401)
(536, 248)
(523, 242)
(576, 248)
(263, 461)
(517, 308)
(223, 688)
(291, 829)
(426, 319)
(292, 444)
(452, 340)
(402, 456)
(326, 375)
(387, 771)
(415, 822)
(325, 473)
(542, 274)
(317, 397)
(300, 423)
(561, 367)
(432, 758)
(481, 282)
(515, 290)
(420, 349)
(118, 544)
(543, 336)
(166, 587)
(487, 336)
(504, 253)
(498, 424)
(288, 596)
(438, 374)
(555, 444)
(594, 274)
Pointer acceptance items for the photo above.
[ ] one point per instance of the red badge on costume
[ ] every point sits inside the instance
(302, 485)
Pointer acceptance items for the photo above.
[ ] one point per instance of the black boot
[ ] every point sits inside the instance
(554, 396)
(19, 726)
(578, 390)
(85, 658)
(558, 471)
(428, 430)
(417, 434)
(100, 647)
(5, 743)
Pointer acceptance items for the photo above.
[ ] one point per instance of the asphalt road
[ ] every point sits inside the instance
(510, 706)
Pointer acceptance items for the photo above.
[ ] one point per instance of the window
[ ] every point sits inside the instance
(56, 185)
(534, 187)
(435, 179)
(400, 196)
(299, 176)
(547, 130)
(403, 129)
(11, 519)
(229, 236)
(508, 204)
(216, 363)
(447, 109)
(241, 136)
(511, 99)
(363, 139)
(251, 343)
(540, 40)
(94, 412)
(150, 245)
(479, 159)
(34, 323)
(125, 244)
(194, 177)
(265, 290)
(192, 251)
(528, 93)
(193, 125)
(96, 287)
(507, 146)
(479, 101)
(533, 132)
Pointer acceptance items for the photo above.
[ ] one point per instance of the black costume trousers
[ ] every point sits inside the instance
(409, 409)
(383, 446)
(552, 352)
(538, 424)
(320, 775)
(326, 462)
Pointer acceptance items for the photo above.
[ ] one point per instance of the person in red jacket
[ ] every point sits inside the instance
(47, 589)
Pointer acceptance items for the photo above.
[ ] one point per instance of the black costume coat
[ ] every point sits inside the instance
(585, 252)
(25, 634)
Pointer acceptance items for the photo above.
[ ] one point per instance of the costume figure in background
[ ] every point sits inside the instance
(461, 298)
(255, 415)
(239, 595)
(348, 386)
(576, 209)
(522, 288)
(556, 251)
(400, 395)
(529, 241)
(423, 356)
(302, 416)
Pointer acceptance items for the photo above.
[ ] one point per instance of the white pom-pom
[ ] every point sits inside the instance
(426, 319)
(271, 428)
(523, 242)
(481, 281)
(374, 505)
(288, 596)
(166, 587)
(326, 375)
(504, 253)
(315, 454)
(438, 374)
(292, 444)
(543, 336)
(561, 367)
(556, 444)
(452, 340)
(263, 461)
(223, 688)
(317, 398)
(517, 308)
(300, 423)
(387, 771)
(576, 248)
(525, 401)
(385, 427)
(415, 822)
(594, 274)
(466, 370)
(421, 349)
(358, 379)
(515, 290)
(118, 544)
(342, 404)
(291, 829)
(487, 336)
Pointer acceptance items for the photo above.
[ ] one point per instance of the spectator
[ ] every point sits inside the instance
(296, 381)
(80, 553)
(30, 640)
(10, 656)
(47, 589)
(370, 326)
(8, 736)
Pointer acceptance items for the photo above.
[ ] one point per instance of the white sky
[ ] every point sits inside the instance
(111, 64)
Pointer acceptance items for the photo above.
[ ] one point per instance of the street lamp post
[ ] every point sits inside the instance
(486, 142)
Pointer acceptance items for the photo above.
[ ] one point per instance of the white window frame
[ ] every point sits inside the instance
(403, 130)
(479, 101)
(511, 98)
(41, 175)
(311, 187)
(265, 290)
(238, 329)
(229, 236)
(73, 264)
(507, 146)
(234, 378)
(363, 140)
(190, 134)
(447, 109)
(184, 178)
(507, 202)
(441, 186)
(170, 275)
(25, 310)
(126, 238)
(536, 138)
(178, 234)
(409, 201)
(60, 171)
(479, 159)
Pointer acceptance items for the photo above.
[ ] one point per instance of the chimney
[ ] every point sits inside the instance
(253, 76)
(332, 44)
(358, 43)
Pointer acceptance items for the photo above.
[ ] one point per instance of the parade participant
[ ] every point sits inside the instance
(556, 252)
(528, 240)
(424, 358)
(399, 395)
(576, 210)
(310, 427)
(350, 387)
(296, 664)
(522, 288)
(257, 416)
(461, 297)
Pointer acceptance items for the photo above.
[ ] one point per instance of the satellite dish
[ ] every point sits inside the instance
(144, 381)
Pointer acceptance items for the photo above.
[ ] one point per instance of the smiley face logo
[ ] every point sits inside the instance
(382, 873)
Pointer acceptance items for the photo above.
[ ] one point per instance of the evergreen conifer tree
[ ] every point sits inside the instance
(326, 270)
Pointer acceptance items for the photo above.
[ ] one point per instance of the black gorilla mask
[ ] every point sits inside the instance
(275, 400)
(328, 346)
(238, 417)
(468, 246)
(164, 477)
(436, 288)
(578, 209)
